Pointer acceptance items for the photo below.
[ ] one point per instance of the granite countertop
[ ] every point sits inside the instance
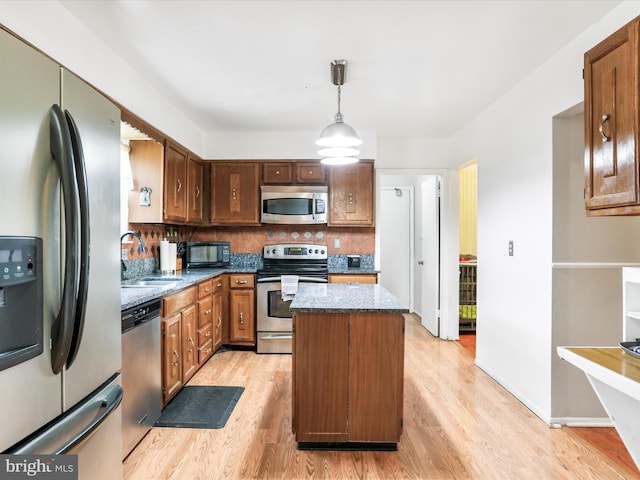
(133, 296)
(345, 298)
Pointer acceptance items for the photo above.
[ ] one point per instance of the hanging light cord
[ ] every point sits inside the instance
(338, 117)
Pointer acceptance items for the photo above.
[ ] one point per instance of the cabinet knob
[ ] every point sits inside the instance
(179, 185)
(197, 191)
(219, 284)
(208, 334)
(177, 354)
(350, 198)
(206, 290)
(241, 318)
(207, 312)
(277, 172)
(310, 172)
(234, 193)
(241, 282)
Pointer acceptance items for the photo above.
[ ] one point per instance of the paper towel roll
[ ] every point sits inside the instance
(173, 255)
(164, 256)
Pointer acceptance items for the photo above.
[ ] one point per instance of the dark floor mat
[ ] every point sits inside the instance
(200, 407)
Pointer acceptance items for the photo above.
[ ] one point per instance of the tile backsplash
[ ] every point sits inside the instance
(253, 239)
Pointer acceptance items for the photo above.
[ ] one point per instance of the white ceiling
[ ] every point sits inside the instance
(416, 68)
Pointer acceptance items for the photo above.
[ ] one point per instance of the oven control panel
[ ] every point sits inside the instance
(295, 250)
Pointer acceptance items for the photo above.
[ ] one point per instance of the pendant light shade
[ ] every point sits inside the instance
(338, 139)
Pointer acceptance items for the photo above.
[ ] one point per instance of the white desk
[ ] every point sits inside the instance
(615, 377)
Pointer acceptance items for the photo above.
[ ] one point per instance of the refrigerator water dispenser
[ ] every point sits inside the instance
(20, 300)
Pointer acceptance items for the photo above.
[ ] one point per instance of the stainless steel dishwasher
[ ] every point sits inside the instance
(141, 372)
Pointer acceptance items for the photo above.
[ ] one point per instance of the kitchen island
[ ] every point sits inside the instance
(348, 367)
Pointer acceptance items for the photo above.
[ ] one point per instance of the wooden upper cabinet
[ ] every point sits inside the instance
(311, 173)
(293, 173)
(145, 201)
(235, 188)
(611, 124)
(351, 195)
(194, 191)
(274, 173)
(175, 184)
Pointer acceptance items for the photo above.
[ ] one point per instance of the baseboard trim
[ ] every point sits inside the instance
(582, 421)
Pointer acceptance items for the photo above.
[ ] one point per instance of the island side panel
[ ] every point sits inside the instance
(320, 384)
(376, 366)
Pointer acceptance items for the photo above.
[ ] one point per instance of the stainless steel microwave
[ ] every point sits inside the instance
(207, 254)
(294, 205)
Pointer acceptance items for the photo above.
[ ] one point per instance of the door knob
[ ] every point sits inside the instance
(420, 262)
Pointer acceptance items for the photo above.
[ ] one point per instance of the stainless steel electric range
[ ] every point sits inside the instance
(308, 263)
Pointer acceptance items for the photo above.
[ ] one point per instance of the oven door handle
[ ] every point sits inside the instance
(300, 280)
(268, 279)
(312, 280)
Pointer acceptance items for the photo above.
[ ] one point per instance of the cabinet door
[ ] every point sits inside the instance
(171, 356)
(376, 369)
(147, 168)
(189, 343)
(175, 184)
(311, 173)
(217, 321)
(274, 173)
(321, 377)
(235, 193)
(611, 124)
(242, 316)
(194, 191)
(351, 195)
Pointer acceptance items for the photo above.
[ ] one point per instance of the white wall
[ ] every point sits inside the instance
(53, 30)
(512, 141)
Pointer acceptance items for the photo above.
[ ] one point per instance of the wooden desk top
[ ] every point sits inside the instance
(612, 358)
(607, 364)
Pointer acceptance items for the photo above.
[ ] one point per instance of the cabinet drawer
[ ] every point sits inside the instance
(205, 334)
(238, 280)
(274, 173)
(178, 301)
(355, 278)
(311, 173)
(205, 311)
(217, 284)
(205, 288)
(205, 351)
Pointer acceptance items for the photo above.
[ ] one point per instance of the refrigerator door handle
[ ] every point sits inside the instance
(77, 426)
(62, 151)
(83, 204)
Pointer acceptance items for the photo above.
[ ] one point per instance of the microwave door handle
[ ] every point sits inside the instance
(313, 207)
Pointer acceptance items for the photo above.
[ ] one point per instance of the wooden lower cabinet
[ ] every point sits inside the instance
(348, 377)
(171, 356)
(242, 310)
(179, 336)
(189, 345)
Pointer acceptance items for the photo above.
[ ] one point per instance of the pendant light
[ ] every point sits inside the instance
(338, 140)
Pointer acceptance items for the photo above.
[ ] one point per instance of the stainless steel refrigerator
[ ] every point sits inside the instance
(59, 264)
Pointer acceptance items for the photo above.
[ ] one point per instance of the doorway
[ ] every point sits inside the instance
(468, 256)
(408, 242)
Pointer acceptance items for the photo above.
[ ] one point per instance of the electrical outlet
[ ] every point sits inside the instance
(124, 254)
(511, 248)
(337, 243)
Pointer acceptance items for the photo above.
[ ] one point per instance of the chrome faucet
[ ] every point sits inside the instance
(141, 249)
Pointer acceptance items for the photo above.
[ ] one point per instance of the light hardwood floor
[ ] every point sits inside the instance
(458, 424)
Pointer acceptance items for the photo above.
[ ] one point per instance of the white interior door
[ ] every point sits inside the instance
(396, 242)
(430, 261)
